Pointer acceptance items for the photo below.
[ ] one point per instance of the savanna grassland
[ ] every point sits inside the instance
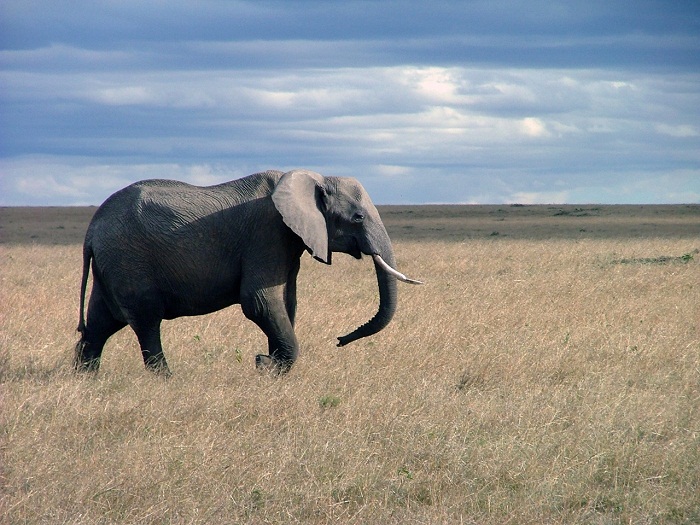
(548, 372)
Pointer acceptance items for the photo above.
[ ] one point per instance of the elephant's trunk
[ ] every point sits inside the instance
(386, 279)
(387, 307)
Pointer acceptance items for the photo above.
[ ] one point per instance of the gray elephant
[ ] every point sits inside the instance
(164, 249)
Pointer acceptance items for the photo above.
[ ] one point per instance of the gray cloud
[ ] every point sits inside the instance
(446, 102)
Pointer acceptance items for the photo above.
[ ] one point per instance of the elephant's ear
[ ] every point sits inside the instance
(295, 197)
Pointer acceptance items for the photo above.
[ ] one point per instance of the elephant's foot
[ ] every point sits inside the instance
(83, 362)
(266, 363)
(159, 366)
(263, 362)
(162, 371)
(91, 366)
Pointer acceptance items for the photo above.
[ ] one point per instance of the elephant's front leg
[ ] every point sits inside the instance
(268, 309)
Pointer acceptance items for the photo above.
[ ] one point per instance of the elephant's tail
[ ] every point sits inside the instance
(87, 256)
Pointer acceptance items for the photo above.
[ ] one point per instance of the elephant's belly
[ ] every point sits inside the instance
(197, 304)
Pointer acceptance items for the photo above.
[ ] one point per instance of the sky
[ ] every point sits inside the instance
(483, 102)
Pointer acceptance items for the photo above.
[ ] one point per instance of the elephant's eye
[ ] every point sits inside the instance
(358, 217)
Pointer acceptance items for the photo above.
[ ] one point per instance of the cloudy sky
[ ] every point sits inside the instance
(543, 101)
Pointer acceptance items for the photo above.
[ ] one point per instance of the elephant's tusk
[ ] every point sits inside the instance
(388, 269)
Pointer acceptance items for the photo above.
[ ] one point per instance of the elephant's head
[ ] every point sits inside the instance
(334, 214)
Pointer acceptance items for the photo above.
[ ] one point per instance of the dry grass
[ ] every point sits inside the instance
(530, 381)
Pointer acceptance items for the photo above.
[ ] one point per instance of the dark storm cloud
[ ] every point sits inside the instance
(545, 33)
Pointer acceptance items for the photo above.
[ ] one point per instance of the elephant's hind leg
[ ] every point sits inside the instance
(100, 326)
(148, 334)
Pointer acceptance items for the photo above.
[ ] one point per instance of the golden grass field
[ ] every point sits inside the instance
(548, 372)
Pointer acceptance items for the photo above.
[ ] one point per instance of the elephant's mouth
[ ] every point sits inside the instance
(351, 246)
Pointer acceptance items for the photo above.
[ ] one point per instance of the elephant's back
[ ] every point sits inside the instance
(173, 199)
(163, 207)
(138, 204)
(187, 198)
(155, 230)
(159, 203)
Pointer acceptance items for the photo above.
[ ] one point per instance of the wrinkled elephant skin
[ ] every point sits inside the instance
(163, 249)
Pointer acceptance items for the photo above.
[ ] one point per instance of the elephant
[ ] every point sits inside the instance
(162, 249)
